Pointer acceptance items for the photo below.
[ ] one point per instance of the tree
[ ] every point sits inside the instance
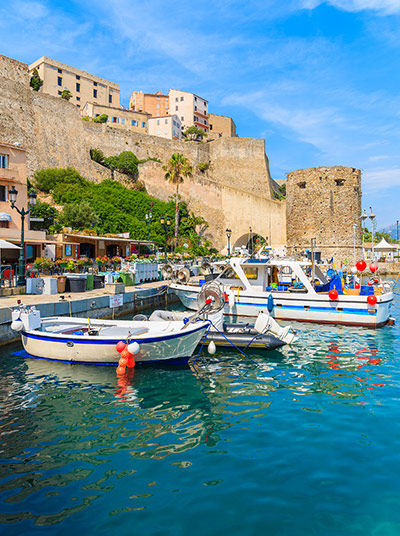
(66, 94)
(45, 211)
(103, 118)
(79, 216)
(177, 167)
(194, 134)
(36, 82)
(125, 162)
(97, 155)
(47, 179)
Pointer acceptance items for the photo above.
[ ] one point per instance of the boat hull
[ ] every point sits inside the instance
(347, 310)
(176, 348)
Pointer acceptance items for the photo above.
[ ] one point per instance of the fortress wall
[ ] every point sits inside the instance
(54, 135)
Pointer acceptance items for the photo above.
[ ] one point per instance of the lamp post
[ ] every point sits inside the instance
(12, 195)
(148, 217)
(363, 217)
(372, 218)
(251, 240)
(165, 223)
(228, 236)
(354, 242)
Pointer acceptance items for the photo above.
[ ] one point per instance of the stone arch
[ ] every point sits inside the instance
(250, 241)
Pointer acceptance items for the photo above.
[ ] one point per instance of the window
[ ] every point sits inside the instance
(3, 193)
(176, 108)
(181, 99)
(166, 131)
(339, 182)
(109, 99)
(195, 108)
(210, 126)
(78, 88)
(59, 92)
(195, 118)
(78, 77)
(158, 104)
(176, 99)
(195, 99)
(158, 121)
(132, 122)
(78, 98)
(181, 118)
(3, 161)
(158, 132)
(166, 121)
(59, 70)
(123, 120)
(144, 124)
(95, 83)
(301, 185)
(5, 224)
(59, 81)
(95, 93)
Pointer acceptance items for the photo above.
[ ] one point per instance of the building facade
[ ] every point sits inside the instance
(190, 108)
(118, 117)
(13, 173)
(155, 104)
(222, 125)
(85, 87)
(167, 126)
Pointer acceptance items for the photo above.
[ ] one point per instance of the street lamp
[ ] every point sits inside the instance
(363, 217)
(12, 195)
(251, 240)
(228, 235)
(165, 223)
(148, 217)
(372, 218)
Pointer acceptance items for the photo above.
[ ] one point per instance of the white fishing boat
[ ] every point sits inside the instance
(293, 290)
(88, 341)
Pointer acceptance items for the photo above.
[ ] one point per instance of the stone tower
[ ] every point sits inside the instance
(324, 203)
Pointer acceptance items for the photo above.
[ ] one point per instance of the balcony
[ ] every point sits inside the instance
(9, 173)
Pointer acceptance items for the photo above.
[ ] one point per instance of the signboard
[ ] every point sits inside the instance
(116, 300)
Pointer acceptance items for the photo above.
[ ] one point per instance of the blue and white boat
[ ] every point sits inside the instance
(93, 341)
(293, 290)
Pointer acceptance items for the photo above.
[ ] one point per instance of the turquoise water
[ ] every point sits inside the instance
(303, 441)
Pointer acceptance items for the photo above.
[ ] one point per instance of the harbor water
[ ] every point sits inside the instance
(302, 441)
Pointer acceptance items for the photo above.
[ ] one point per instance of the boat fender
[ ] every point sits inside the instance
(270, 303)
(17, 325)
(120, 346)
(211, 348)
(133, 348)
(231, 298)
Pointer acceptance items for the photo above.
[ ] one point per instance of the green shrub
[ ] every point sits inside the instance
(66, 94)
(203, 166)
(79, 216)
(103, 118)
(36, 82)
(46, 179)
(85, 118)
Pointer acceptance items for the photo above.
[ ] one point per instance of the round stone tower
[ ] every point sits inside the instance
(324, 203)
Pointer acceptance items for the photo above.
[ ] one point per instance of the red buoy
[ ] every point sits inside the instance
(361, 265)
(373, 267)
(120, 346)
(357, 285)
(333, 294)
(372, 299)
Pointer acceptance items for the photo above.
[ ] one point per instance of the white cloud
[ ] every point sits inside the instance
(383, 7)
(381, 179)
(30, 10)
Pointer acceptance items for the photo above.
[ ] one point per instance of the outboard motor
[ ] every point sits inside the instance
(25, 318)
(266, 324)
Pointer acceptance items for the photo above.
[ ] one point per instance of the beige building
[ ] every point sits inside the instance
(155, 104)
(167, 126)
(190, 108)
(118, 117)
(222, 125)
(13, 173)
(85, 87)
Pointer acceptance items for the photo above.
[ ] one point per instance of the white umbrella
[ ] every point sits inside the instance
(6, 245)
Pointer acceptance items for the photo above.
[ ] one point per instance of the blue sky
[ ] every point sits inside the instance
(318, 79)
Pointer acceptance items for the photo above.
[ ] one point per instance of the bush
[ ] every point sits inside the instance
(45, 211)
(66, 94)
(103, 118)
(46, 179)
(79, 216)
(203, 166)
(36, 82)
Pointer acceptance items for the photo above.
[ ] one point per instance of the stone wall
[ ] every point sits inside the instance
(324, 203)
(234, 192)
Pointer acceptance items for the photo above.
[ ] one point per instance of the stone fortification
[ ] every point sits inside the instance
(324, 203)
(234, 192)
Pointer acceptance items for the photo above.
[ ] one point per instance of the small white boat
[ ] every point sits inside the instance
(293, 290)
(89, 341)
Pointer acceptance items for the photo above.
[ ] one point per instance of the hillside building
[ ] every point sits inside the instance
(167, 126)
(222, 126)
(118, 117)
(13, 173)
(85, 87)
(190, 108)
(155, 104)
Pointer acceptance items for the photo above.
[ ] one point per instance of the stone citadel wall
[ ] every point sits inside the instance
(234, 192)
(325, 203)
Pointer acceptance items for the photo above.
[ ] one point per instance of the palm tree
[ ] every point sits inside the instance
(177, 167)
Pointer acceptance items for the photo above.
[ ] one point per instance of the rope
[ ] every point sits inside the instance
(230, 342)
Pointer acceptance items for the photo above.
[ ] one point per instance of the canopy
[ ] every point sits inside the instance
(4, 216)
(7, 245)
(384, 245)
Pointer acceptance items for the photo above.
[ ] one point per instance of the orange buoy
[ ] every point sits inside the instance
(333, 294)
(372, 299)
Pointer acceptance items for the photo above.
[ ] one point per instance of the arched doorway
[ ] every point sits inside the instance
(250, 242)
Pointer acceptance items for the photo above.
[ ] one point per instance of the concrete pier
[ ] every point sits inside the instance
(89, 304)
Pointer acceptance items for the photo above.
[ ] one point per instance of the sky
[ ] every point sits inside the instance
(317, 79)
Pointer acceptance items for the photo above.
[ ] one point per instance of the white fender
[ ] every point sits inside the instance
(231, 298)
(133, 348)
